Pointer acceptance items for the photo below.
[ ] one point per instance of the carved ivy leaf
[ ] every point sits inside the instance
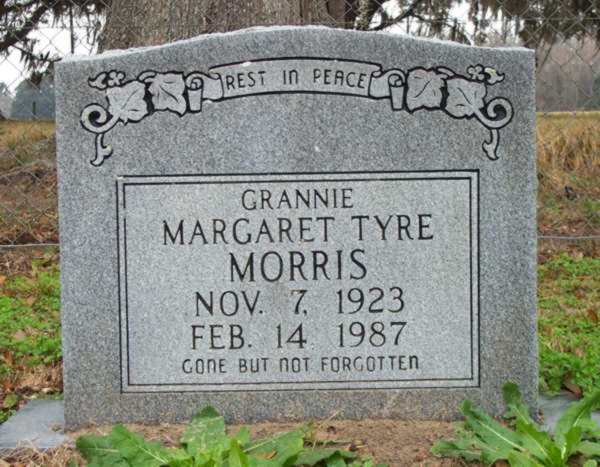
(127, 101)
(465, 97)
(424, 89)
(167, 92)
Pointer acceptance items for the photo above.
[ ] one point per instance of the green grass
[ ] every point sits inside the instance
(29, 330)
(568, 324)
(591, 209)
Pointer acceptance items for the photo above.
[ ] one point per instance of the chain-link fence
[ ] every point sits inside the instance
(34, 34)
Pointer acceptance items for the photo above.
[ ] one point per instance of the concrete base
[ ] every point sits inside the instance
(553, 407)
(39, 423)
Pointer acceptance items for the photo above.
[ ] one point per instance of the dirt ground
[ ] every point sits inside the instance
(394, 442)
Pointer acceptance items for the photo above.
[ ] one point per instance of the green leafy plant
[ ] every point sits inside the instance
(485, 440)
(30, 345)
(205, 443)
(569, 324)
(30, 318)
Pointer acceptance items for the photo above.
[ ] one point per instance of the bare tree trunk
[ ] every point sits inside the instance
(133, 23)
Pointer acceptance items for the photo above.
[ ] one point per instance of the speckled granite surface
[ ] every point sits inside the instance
(439, 133)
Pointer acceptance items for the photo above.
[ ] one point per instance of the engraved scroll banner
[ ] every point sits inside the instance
(432, 89)
(313, 76)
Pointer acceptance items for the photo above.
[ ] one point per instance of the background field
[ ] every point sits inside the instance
(568, 156)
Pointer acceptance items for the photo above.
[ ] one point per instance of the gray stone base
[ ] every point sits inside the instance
(40, 424)
(553, 407)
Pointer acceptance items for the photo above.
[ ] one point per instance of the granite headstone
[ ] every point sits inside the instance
(291, 222)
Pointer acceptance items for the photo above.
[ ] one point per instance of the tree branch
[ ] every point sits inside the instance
(15, 7)
(442, 22)
(12, 38)
(32, 55)
(386, 21)
(546, 56)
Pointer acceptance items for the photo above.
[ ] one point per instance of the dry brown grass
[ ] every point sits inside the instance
(27, 182)
(15, 132)
(568, 156)
(568, 152)
(63, 456)
(24, 142)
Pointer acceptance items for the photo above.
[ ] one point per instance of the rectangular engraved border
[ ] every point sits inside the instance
(124, 181)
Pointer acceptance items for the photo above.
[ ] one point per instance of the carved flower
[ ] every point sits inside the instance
(492, 76)
(115, 78)
(98, 82)
(476, 73)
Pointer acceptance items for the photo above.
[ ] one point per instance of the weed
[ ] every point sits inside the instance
(526, 445)
(206, 443)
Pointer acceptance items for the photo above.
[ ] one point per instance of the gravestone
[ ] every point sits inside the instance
(34, 101)
(294, 222)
